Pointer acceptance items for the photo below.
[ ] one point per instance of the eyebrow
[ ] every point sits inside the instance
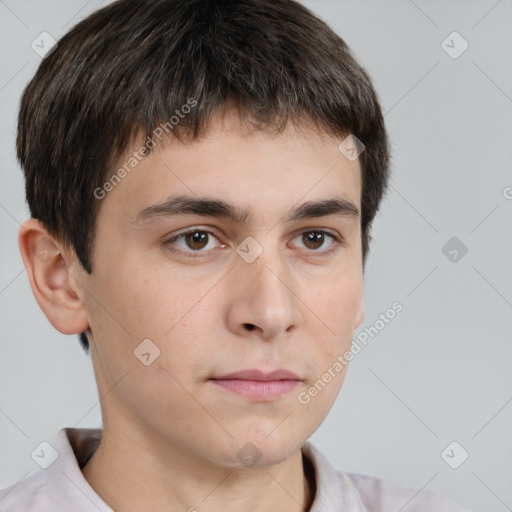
(211, 207)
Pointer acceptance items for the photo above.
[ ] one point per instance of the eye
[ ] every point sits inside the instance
(193, 240)
(196, 242)
(315, 239)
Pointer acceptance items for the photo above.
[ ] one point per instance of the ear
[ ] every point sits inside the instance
(359, 315)
(50, 272)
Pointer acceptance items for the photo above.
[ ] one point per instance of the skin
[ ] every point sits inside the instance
(170, 435)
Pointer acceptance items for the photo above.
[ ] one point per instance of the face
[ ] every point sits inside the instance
(211, 321)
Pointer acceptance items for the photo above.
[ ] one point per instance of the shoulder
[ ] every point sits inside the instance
(380, 496)
(342, 490)
(30, 494)
(60, 484)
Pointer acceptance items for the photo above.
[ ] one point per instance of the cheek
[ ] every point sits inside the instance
(332, 317)
(335, 302)
(151, 308)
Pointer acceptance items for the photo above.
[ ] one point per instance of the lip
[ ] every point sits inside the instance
(259, 375)
(257, 385)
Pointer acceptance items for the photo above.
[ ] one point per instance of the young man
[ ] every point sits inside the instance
(202, 177)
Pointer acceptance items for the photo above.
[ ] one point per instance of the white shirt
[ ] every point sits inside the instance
(61, 487)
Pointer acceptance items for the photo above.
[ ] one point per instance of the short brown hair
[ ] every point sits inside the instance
(127, 67)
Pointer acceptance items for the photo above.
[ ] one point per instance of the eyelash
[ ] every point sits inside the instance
(338, 241)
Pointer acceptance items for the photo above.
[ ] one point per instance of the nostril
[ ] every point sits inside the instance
(249, 327)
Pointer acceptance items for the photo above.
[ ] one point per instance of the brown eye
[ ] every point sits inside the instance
(194, 242)
(196, 239)
(319, 241)
(313, 239)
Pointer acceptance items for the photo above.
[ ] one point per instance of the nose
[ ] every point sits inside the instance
(262, 298)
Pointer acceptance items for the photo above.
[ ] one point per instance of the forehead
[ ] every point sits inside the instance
(254, 169)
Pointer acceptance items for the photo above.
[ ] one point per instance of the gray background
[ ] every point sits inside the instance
(440, 370)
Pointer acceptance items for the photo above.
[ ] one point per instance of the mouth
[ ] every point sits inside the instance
(257, 385)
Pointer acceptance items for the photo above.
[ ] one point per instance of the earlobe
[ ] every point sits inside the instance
(359, 315)
(48, 268)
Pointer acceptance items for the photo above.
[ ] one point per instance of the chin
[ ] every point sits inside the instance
(246, 451)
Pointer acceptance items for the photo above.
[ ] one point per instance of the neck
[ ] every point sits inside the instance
(147, 477)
